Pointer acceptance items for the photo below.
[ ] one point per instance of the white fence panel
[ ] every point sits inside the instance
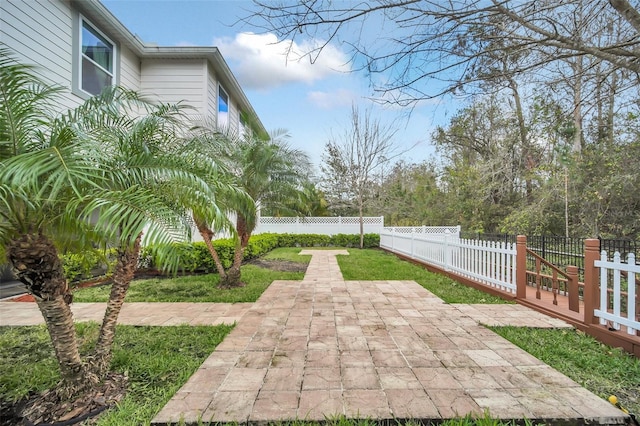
(618, 292)
(318, 225)
(489, 263)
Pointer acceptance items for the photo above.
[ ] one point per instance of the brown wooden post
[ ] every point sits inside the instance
(591, 280)
(521, 267)
(572, 284)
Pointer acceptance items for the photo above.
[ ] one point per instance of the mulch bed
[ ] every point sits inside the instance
(47, 409)
(280, 265)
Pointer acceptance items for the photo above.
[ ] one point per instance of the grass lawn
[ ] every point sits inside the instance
(158, 360)
(202, 288)
(371, 264)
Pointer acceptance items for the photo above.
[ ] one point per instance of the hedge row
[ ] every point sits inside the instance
(194, 257)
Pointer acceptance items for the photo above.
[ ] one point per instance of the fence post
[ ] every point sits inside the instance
(572, 284)
(413, 236)
(591, 280)
(521, 267)
(393, 238)
(446, 250)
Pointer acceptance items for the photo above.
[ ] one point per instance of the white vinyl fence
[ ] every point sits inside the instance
(618, 292)
(318, 225)
(486, 262)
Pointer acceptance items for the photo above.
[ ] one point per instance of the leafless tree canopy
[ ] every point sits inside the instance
(427, 48)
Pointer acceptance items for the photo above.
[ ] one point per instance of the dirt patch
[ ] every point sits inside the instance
(280, 265)
(47, 408)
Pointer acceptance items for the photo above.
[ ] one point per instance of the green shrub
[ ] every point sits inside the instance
(350, 240)
(195, 257)
(79, 266)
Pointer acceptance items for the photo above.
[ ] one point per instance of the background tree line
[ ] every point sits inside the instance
(547, 138)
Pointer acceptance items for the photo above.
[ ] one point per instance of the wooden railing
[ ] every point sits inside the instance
(558, 279)
(601, 307)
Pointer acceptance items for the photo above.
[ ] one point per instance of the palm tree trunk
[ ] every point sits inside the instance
(123, 273)
(207, 235)
(233, 276)
(35, 261)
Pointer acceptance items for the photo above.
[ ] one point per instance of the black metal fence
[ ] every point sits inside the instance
(563, 251)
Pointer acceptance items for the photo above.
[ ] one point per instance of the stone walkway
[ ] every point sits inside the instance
(324, 347)
(386, 350)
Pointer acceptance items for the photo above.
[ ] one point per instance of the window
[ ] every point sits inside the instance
(242, 128)
(97, 58)
(223, 109)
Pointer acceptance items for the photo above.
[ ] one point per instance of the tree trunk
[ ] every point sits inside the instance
(233, 276)
(35, 261)
(361, 213)
(611, 109)
(123, 273)
(524, 142)
(577, 104)
(207, 235)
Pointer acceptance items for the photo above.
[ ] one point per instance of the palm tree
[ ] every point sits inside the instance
(91, 175)
(203, 152)
(271, 173)
(42, 170)
(147, 164)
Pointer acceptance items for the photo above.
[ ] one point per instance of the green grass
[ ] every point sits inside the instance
(193, 288)
(367, 264)
(484, 420)
(291, 254)
(158, 360)
(599, 368)
(371, 264)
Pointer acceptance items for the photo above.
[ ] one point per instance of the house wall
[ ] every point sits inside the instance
(173, 80)
(129, 69)
(41, 33)
(48, 47)
(212, 96)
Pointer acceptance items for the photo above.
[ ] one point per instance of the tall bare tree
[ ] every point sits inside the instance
(350, 161)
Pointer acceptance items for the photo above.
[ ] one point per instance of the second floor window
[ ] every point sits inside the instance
(97, 60)
(223, 108)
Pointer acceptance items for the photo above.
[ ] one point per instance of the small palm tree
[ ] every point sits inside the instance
(253, 173)
(43, 169)
(146, 190)
(95, 174)
(272, 174)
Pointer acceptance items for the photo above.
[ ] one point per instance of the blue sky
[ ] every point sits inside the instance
(311, 101)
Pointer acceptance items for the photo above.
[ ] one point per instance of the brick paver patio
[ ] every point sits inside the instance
(324, 347)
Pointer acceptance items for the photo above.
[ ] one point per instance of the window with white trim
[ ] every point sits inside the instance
(97, 59)
(242, 126)
(223, 108)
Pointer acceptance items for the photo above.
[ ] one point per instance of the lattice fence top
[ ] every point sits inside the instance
(433, 230)
(269, 220)
(278, 220)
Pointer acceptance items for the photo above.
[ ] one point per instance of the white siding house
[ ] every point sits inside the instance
(80, 45)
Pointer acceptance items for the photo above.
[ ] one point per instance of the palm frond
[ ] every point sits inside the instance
(26, 104)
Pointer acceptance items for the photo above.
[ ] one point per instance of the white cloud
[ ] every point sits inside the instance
(330, 100)
(262, 62)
